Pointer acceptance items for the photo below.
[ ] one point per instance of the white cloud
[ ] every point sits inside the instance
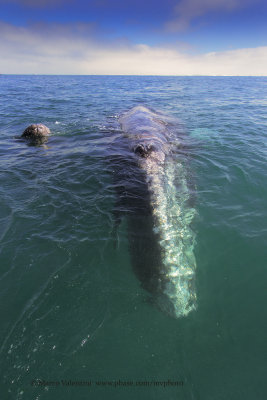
(74, 50)
(187, 10)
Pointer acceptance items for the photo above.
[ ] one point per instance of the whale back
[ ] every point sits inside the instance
(160, 237)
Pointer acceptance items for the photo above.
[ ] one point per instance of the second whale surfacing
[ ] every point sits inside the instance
(154, 193)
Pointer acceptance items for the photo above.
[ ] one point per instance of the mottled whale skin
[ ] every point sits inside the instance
(36, 131)
(161, 240)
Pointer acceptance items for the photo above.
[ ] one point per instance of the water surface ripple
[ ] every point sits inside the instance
(71, 306)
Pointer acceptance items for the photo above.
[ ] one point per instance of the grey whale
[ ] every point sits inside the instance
(36, 131)
(159, 216)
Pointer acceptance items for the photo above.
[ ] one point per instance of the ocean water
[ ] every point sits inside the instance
(75, 321)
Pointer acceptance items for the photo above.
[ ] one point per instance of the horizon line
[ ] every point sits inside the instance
(182, 75)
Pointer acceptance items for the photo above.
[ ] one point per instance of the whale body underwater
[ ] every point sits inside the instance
(154, 194)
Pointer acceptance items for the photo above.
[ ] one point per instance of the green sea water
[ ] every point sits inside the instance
(75, 321)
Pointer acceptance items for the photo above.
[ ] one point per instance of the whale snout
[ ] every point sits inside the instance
(36, 131)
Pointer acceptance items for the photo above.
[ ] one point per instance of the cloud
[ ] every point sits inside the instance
(187, 10)
(75, 49)
(36, 3)
(47, 40)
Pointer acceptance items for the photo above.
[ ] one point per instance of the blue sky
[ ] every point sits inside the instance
(167, 37)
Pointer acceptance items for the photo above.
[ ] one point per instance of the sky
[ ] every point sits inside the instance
(133, 37)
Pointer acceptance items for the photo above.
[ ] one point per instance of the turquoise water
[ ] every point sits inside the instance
(72, 309)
